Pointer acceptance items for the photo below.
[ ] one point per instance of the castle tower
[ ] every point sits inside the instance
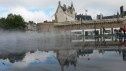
(121, 11)
(65, 13)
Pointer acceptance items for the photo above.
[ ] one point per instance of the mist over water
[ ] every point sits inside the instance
(14, 42)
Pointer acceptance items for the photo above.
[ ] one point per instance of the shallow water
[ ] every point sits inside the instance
(57, 52)
(67, 60)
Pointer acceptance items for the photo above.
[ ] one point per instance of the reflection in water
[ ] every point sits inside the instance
(13, 57)
(61, 59)
(69, 60)
(84, 52)
(124, 54)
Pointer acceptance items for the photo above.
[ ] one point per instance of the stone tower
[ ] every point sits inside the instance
(64, 13)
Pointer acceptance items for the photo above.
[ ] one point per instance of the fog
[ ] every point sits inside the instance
(16, 42)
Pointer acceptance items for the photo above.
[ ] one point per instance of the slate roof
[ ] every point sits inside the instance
(83, 17)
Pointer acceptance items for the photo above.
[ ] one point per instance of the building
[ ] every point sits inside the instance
(66, 20)
(122, 12)
(45, 27)
(64, 13)
(82, 17)
(121, 15)
(108, 17)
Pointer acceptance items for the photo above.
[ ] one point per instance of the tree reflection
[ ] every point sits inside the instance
(13, 57)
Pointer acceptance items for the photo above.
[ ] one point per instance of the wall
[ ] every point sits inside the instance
(45, 27)
(67, 26)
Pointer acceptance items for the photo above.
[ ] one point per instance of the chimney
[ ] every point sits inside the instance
(60, 3)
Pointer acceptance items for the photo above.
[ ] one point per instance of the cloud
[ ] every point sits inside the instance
(36, 16)
(28, 15)
(45, 9)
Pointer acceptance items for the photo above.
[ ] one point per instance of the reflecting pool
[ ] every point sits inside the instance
(65, 60)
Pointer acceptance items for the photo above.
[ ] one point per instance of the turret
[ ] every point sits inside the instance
(117, 14)
(59, 3)
(72, 4)
(121, 11)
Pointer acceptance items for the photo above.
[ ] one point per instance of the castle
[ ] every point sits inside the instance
(64, 13)
(66, 19)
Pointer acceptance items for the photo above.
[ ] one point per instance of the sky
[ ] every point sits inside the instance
(41, 10)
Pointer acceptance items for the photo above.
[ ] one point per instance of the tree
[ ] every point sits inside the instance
(12, 22)
(15, 22)
(2, 23)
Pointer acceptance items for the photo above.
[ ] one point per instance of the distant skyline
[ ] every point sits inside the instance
(40, 10)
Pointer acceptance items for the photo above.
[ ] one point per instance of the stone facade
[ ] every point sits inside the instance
(77, 25)
(98, 24)
(64, 13)
(45, 27)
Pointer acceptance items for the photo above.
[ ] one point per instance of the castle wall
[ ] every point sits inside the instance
(45, 27)
(76, 25)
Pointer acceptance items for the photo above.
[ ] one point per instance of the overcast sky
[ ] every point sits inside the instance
(40, 10)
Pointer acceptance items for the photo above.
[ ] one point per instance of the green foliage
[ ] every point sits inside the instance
(2, 22)
(12, 22)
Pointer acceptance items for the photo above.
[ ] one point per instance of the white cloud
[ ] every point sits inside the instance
(36, 16)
